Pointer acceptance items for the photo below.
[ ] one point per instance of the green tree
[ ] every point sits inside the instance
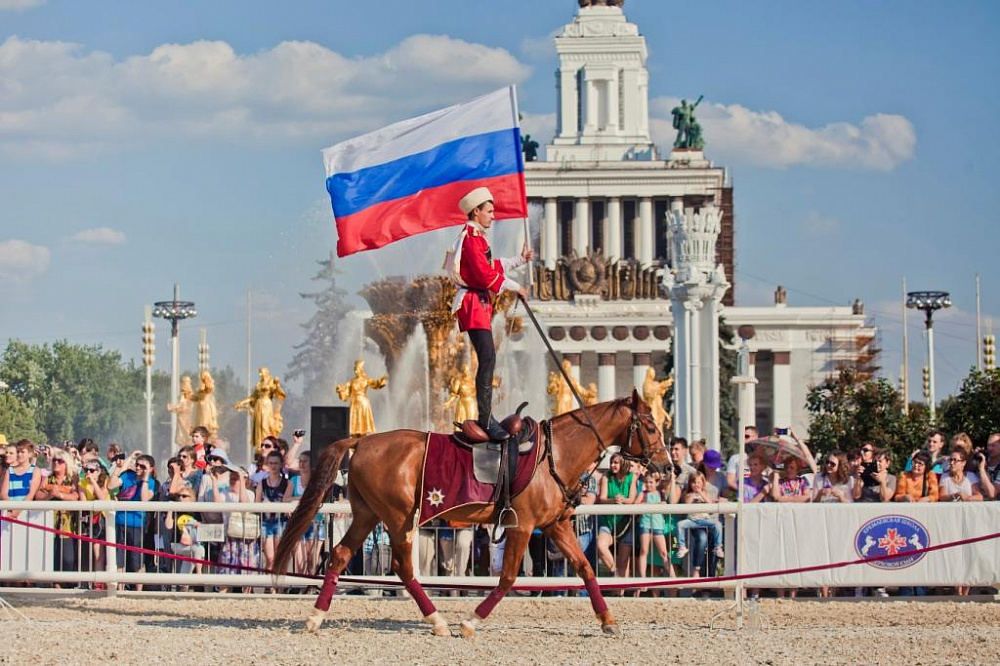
(17, 420)
(975, 410)
(74, 390)
(845, 412)
(314, 356)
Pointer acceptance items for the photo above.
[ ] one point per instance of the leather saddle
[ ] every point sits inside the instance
(486, 453)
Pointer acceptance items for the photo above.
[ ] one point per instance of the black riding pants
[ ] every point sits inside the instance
(482, 342)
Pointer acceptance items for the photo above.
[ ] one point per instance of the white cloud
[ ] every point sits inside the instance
(734, 133)
(19, 5)
(100, 236)
(540, 48)
(60, 101)
(816, 225)
(20, 260)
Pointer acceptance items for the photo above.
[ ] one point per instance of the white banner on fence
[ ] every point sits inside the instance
(786, 536)
(25, 549)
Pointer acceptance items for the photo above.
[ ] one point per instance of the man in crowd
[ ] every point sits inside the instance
(750, 433)
(679, 456)
(877, 484)
(135, 483)
(989, 468)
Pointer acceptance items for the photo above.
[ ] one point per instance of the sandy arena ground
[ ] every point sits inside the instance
(533, 631)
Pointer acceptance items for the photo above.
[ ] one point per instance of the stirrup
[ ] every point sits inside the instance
(505, 522)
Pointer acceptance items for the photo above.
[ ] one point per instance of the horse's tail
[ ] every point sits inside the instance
(323, 477)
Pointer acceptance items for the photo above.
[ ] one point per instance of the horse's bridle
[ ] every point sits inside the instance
(638, 423)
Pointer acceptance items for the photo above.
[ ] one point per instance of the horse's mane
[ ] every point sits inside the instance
(576, 415)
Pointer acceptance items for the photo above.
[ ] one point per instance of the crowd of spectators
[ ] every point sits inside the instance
(624, 545)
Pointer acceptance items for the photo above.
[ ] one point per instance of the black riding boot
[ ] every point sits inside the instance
(482, 342)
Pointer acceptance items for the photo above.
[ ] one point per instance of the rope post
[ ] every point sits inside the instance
(111, 554)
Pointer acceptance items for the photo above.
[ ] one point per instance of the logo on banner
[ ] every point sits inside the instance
(892, 535)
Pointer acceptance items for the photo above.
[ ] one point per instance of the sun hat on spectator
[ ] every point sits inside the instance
(712, 460)
(224, 458)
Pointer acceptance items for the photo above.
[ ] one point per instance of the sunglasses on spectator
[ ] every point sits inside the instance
(831, 463)
(867, 450)
(956, 460)
(185, 456)
(267, 445)
(142, 467)
(88, 470)
(58, 460)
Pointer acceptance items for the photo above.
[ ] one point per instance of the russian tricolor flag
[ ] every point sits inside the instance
(407, 178)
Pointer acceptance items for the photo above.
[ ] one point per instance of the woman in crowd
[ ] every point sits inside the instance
(62, 485)
(8, 458)
(308, 549)
(834, 483)
(618, 487)
(242, 546)
(23, 478)
(272, 489)
(187, 474)
(755, 486)
(93, 486)
(956, 485)
(919, 484)
(790, 486)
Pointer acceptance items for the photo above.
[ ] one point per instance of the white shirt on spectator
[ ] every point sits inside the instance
(948, 486)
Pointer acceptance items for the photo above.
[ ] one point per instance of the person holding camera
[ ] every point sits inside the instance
(988, 464)
(134, 482)
(94, 486)
(62, 485)
(679, 456)
(876, 483)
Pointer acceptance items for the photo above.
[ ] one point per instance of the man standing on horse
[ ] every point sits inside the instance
(479, 277)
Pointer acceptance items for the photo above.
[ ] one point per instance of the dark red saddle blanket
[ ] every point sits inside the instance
(448, 480)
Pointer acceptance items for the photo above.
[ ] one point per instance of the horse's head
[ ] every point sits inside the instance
(643, 440)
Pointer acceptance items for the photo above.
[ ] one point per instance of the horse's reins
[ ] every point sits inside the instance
(572, 498)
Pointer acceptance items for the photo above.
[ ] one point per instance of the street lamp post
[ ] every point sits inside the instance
(929, 302)
(148, 358)
(174, 311)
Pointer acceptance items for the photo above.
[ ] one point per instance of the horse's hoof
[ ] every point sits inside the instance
(314, 622)
(611, 630)
(467, 629)
(440, 630)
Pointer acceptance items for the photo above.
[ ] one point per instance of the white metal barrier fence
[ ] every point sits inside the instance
(777, 537)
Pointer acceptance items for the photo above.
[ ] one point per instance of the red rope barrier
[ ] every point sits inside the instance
(652, 582)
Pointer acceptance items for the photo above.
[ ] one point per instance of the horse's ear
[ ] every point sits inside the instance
(635, 398)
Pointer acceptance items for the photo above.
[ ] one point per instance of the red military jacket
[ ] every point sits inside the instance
(483, 276)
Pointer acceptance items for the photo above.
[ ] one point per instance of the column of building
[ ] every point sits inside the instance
(643, 229)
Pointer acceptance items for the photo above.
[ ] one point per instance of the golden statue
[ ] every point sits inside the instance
(206, 411)
(653, 392)
(462, 392)
(182, 408)
(562, 395)
(265, 418)
(355, 392)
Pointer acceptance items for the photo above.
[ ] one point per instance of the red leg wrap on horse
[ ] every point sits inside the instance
(416, 591)
(596, 598)
(328, 590)
(484, 609)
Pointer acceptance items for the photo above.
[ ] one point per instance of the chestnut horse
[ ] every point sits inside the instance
(384, 481)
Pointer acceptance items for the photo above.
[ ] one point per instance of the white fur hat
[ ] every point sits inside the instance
(475, 198)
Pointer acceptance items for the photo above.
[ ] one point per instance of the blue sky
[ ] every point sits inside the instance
(143, 144)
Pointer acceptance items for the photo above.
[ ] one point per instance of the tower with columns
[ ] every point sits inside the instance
(607, 195)
(696, 287)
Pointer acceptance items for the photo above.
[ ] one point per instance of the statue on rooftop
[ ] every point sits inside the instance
(689, 135)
